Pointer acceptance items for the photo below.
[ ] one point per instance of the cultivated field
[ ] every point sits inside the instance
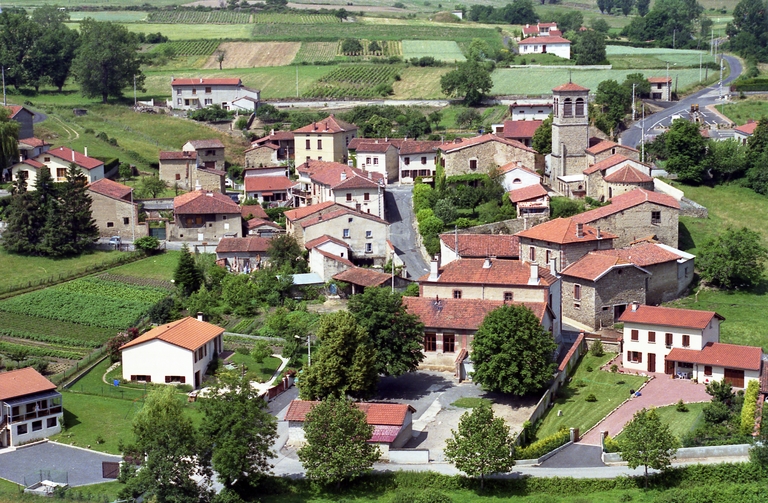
(441, 50)
(254, 54)
(286, 18)
(420, 83)
(641, 58)
(126, 16)
(358, 81)
(198, 17)
(316, 51)
(191, 31)
(388, 48)
(189, 47)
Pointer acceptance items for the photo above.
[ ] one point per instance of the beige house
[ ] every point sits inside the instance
(328, 256)
(57, 161)
(282, 140)
(661, 88)
(181, 169)
(321, 181)
(30, 407)
(616, 175)
(115, 212)
(743, 133)
(376, 156)
(264, 154)
(482, 154)
(210, 153)
(229, 93)
(205, 216)
(243, 255)
(325, 140)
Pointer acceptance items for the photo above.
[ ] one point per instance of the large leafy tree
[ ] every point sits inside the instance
(471, 80)
(735, 259)
(53, 51)
(344, 365)
(646, 441)
(542, 137)
(107, 60)
(748, 33)
(9, 140)
(237, 433)
(512, 352)
(589, 48)
(17, 37)
(482, 445)
(284, 251)
(641, 85)
(337, 447)
(187, 275)
(686, 149)
(614, 101)
(397, 335)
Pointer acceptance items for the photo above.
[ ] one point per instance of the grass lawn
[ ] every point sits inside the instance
(261, 372)
(740, 111)
(471, 402)
(681, 423)
(160, 266)
(92, 383)
(609, 388)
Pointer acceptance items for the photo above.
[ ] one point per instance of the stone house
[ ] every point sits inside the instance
(296, 215)
(283, 140)
(210, 153)
(482, 154)
(495, 246)
(601, 150)
(598, 288)
(636, 215)
(661, 88)
(243, 254)
(530, 201)
(417, 158)
(114, 211)
(376, 155)
(57, 161)
(616, 175)
(181, 169)
(562, 241)
(193, 94)
(551, 44)
(30, 407)
(325, 140)
(275, 190)
(264, 154)
(24, 117)
(205, 216)
(321, 181)
(520, 130)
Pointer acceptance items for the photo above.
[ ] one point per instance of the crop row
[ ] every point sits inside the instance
(371, 31)
(190, 47)
(362, 75)
(135, 280)
(50, 339)
(44, 351)
(284, 18)
(114, 290)
(195, 17)
(309, 52)
(42, 327)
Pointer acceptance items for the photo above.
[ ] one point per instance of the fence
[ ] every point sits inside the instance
(278, 389)
(41, 475)
(83, 366)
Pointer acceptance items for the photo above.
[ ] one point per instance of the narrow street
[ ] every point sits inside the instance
(399, 213)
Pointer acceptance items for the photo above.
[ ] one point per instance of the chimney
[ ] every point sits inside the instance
(200, 316)
(201, 80)
(85, 151)
(197, 185)
(272, 131)
(579, 230)
(343, 175)
(209, 194)
(73, 156)
(370, 175)
(534, 279)
(619, 141)
(314, 126)
(553, 267)
(487, 263)
(21, 158)
(598, 233)
(386, 139)
(634, 306)
(434, 269)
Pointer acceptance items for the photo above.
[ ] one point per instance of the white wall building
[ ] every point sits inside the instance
(30, 407)
(192, 94)
(57, 161)
(546, 45)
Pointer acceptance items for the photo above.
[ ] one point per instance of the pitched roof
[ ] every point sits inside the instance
(371, 146)
(594, 266)
(268, 183)
(198, 144)
(26, 381)
(362, 276)
(305, 211)
(253, 209)
(606, 163)
(720, 355)
(258, 222)
(175, 155)
(342, 211)
(108, 188)
(203, 202)
(624, 201)
(527, 193)
(748, 128)
(520, 129)
(33, 142)
(410, 147)
(500, 272)
(328, 125)
(246, 244)
(382, 414)
(188, 333)
(325, 238)
(563, 231)
(643, 255)
(206, 82)
(460, 143)
(69, 155)
(15, 109)
(275, 136)
(669, 316)
(659, 80)
(483, 245)
(551, 39)
(460, 314)
(604, 145)
(334, 174)
(511, 166)
(570, 86)
(33, 163)
(331, 256)
(357, 182)
(628, 174)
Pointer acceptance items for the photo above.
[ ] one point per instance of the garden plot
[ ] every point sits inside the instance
(442, 50)
(254, 54)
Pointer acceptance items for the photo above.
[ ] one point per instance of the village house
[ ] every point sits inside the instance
(530, 201)
(263, 154)
(192, 94)
(206, 216)
(528, 110)
(325, 140)
(24, 117)
(114, 211)
(174, 353)
(57, 161)
(261, 227)
(600, 150)
(597, 289)
(661, 88)
(275, 190)
(514, 176)
(375, 155)
(636, 215)
(321, 181)
(743, 133)
(482, 154)
(243, 255)
(550, 44)
(360, 278)
(181, 169)
(328, 256)
(32, 147)
(616, 175)
(520, 130)
(417, 158)
(500, 246)
(30, 407)
(210, 153)
(541, 30)
(283, 140)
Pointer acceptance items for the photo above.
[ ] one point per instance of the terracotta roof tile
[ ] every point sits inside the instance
(625, 201)
(26, 381)
(358, 182)
(628, 174)
(570, 86)
(180, 155)
(503, 246)
(253, 209)
(276, 136)
(501, 272)
(33, 163)
(411, 147)
(527, 193)
(604, 145)
(331, 256)
(643, 255)
(66, 154)
(305, 211)
(108, 188)
(188, 333)
(563, 231)
(720, 355)
(460, 143)
(328, 125)
(594, 266)
(206, 82)
(334, 174)
(514, 165)
(545, 40)
(381, 414)
(520, 129)
(33, 142)
(271, 146)
(198, 144)
(460, 314)
(203, 202)
(245, 245)
(748, 128)
(606, 163)
(268, 183)
(255, 222)
(363, 277)
(371, 146)
(14, 109)
(668, 316)
(659, 80)
(342, 211)
(325, 239)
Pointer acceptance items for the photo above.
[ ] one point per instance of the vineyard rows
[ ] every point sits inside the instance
(190, 47)
(359, 81)
(316, 51)
(283, 18)
(388, 48)
(195, 17)
(133, 280)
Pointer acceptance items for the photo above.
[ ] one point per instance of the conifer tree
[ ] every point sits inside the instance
(187, 276)
(20, 233)
(81, 228)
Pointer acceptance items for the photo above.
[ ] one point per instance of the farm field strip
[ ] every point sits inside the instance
(20, 326)
(190, 31)
(360, 81)
(309, 52)
(189, 47)
(283, 18)
(338, 31)
(388, 48)
(442, 50)
(198, 17)
(254, 54)
(118, 16)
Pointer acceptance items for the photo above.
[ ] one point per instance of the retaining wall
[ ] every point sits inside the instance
(512, 226)
(688, 453)
(409, 456)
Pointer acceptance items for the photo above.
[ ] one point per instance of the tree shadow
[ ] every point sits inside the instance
(70, 419)
(684, 239)
(411, 386)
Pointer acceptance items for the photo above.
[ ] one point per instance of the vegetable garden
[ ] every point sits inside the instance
(198, 17)
(190, 47)
(358, 81)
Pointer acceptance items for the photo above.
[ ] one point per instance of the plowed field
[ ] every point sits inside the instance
(254, 54)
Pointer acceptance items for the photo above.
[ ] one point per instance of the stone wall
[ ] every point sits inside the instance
(595, 309)
(512, 226)
(116, 217)
(260, 156)
(489, 154)
(693, 209)
(208, 180)
(176, 172)
(663, 283)
(635, 223)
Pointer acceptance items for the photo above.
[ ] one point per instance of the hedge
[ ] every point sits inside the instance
(757, 84)
(544, 446)
(749, 409)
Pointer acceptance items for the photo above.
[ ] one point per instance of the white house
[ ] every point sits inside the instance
(546, 45)
(175, 353)
(514, 176)
(192, 94)
(30, 407)
(270, 189)
(541, 30)
(661, 88)
(377, 156)
(417, 158)
(741, 133)
(57, 161)
(321, 181)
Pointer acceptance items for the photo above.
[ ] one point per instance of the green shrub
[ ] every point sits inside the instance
(543, 446)
(432, 496)
(614, 368)
(580, 383)
(716, 412)
(681, 407)
(597, 348)
(589, 368)
(749, 409)
(242, 351)
(591, 398)
(611, 445)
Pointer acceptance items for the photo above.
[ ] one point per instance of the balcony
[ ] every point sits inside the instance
(37, 414)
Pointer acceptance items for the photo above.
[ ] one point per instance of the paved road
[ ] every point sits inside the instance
(708, 96)
(576, 455)
(399, 208)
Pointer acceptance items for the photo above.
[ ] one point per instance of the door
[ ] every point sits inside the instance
(735, 377)
(157, 232)
(543, 49)
(669, 367)
(618, 310)
(197, 379)
(651, 362)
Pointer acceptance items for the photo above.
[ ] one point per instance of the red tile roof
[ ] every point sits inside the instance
(203, 202)
(271, 146)
(206, 82)
(33, 142)
(199, 144)
(325, 239)
(604, 145)
(483, 245)
(358, 182)
(748, 128)
(334, 174)
(253, 209)
(659, 80)
(520, 129)
(247, 244)
(514, 165)
(381, 414)
(594, 266)
(176, 155)
(26, 381)
(342, 211)
(258, 222)
(668, 316)
(625, 201)
(544, 40)
(460, 314)
(643, 255)
(276, 136)
(530, 29)
(363, 277)
(305, 211)
(33, 163)
(108, 188)
(460, 143)
(331, 256)
(628, 174)
(14, 109)
(718, 354)
(501, 272)
(527, 193)
(410, 147)
(188, 333)
(606, 163)
(328, 125)
(372, 146)
(570, 86)
(268, 183)
(563, 231)
(66, 154)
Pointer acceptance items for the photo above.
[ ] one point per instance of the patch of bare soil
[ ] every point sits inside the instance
(253, 54)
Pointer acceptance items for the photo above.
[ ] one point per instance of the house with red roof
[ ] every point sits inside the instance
(322, 181)
(550, 44)
(114, 210)
(501, 246)
(57, 161)
(615, 175)
(541, 30)
(205, 216)
(516, 176)
(378, 155)
(661, 88)
(24, 117)
(530, 201)
(282, 140)
(274, 190)
(32, 147)
(600, 149)
(261, 227)
(686, 343)
(174, 353)
(244, 254)
(210, 153)
(520, 130)
(30, 407)
(229, 93)
(417, 158)
(744, 132)
(328, 256)
(324, 140)
(184, 170)
(481, 154)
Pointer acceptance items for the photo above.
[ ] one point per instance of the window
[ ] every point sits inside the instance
(532, 253)
(366, 196)
(423, 160)
(178, 101)
(126, 220)
(319, 144)
(652, 337)
(406, 173)
(635, 335)
(346, 233)
(567, 108)
(50, 422)
(178, 176)
(579, 107)
(577, 292)
(635, 356)
(517, 180)
(668, 340)
(655, 217)
(375, 160)
(178, 92)
(110, 224)
(21, 429)
(175, 379)
(208, 101)
(349, 220)
(577, 305)
(46, 159)
(449, 343)
(308, 146)
(686, 341)
(369, 234)
(367, 160)
(549, 256)
(194, 91)
(430, 342)
(407, 161)
(349, 196)
(207, 90)
(707, 370)
(61, 172)
(473, 164)
(37, 425)
(554, 105)
(457, 294)
(368, 247)
(508, 296)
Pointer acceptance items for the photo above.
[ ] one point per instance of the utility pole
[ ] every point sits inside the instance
(3, 67)
(134, 91)
(667, 70)
(700, 60)
(633, 101)
(712, 42)
(642, 143)
(133, 220)
(674, 36)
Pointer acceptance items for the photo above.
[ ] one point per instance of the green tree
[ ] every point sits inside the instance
(445, 210)
(351, 46)
(166, 443)
(238, 292)
(471, 80)
(337, 447)
(542, 137)
(641, 84)
(284, 251)
(70, 228)
(646, 441)
(686, 149)
(187, 275)
(341, 14)
(397, 335)
(626, 6)
(589, 48)
(734, 259)
(424, 196)
(482, 445)
(614, 101)
(468, 117)
(512, 352)
(374, 47)
(147, 244)
(237, 432)
(23, 220)
(642, 7)
(152, 186)
(600, 25)
(51, 56)
(434, 118)
(720, 391)
(345, 364)
(9, 140)
(125, 171)
(220, 57)
(18, 34)
(725, 160)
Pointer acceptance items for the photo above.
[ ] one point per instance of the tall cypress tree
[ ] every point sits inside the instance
(20, 235)
(81, 228)
(187, 275)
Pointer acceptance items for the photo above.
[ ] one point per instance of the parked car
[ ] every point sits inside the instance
(115, 241)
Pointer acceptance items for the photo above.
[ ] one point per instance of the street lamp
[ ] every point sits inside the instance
(309, 348)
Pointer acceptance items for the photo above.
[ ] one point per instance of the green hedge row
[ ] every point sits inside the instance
(749, 409)
(544, 446)
(756, 84)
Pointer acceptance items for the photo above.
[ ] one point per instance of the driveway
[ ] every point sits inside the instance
(81, 466)
(398, 202)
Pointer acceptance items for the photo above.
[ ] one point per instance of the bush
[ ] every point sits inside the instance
(211, 113)
(597, 348)
(591, 398)
(544, 446)
(681, 407)
(614, 368)
(241, 123)
(749, 409)
(716, 412)
(242, 351)
(589, 368)
(147, 244)
(611, 445)
(581, 384)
